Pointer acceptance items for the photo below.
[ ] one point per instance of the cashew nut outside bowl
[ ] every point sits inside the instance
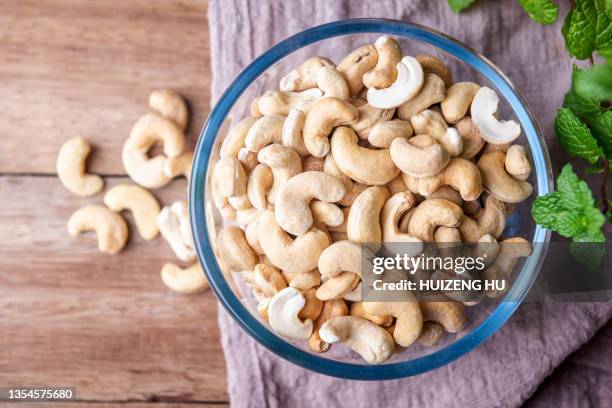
(140, 202)
(71, 168)
(110, 227)
(173, 223)
(184, 280)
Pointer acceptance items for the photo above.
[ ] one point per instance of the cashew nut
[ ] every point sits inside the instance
(397, 185)
(384, 73)
(358, 309)
(338, 286)
(284, 163)
(367, 339)
(267, 281)
(292, 131)
(305, 75)
(367, 166)
(472, 141)
(248, 159)
(498, 182)
(343, 256)
(313, 307)
(110, 227)
(71, 168)
(460, 174)
(171, 106)
(484, 109)
(407, 84)
(492, 221)
(266, 130)
(147, 131)
(510, 251)
(325, 115)
(303, 281)
(363, 225)
(431, 123)
(234, 141)
(326, 214)
(352, 189)
(311, 163)
(408, 318)
(250, 233)
(259, 183)
(369, 116)
(179, 165)
(356, 64)
(516, 163)
(431, 214)
(432, 92)
(458, 100)
(383, 133)
(299, 255)
(332, 83)
(140, 202)
(173, 223)
(254, 111)
(451, 315)
(283, 312)
(419, 156)
(431, 334)
(234, 249)
(281, 103)
(229, 177)
(432, 65)
(449, 194)
(392, 211)
(292, 209)
(331, 308)
(187, 280)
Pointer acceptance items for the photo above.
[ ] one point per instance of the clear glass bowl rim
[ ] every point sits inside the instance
(251, 324)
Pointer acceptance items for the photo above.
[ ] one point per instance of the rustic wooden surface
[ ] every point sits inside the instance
(70, 315)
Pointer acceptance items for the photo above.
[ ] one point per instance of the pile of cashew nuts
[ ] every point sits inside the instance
(381, 148)
(166, 126)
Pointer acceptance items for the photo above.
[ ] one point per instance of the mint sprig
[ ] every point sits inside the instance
(575, 136)
(587, 28)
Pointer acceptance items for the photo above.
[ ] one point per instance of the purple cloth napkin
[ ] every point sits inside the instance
(507, 369)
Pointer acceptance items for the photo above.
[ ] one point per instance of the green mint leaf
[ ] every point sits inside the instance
(579, 29)
(609, 8)
(601, 128)
(596, 168)
(545, 209)
(603, 27)
(575, 193)
(596, 82)
(575, 136)
(583, 105)
(542, 11)
(459, 5)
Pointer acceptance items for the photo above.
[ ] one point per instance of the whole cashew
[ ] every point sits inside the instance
(305, 75)
(516, 163)
(327, 214)
(140, 202)
(337, 287)
(367, 166)
(419, 156)
(367, 339)
(147, 131)
(431, 334)
(171, 106)
(431, 123)
(363, 225)
(460, 174)
(173, 223)
(303, 281)
(332, 83)
(431, 214)
(266, 130)
(283, 312)
(483, 109)
(259, 183)
(407, 84)
(492, 221)
(342, 256)
(458, 100)
(267, 281)
(179, 165)
(284, 163)
(472, 141)
(369, 117)
(352, 188)
(449, 194)
(281, 103)
(331, 308)
(432, 65)
(229, 177)
(71, 168)
(409, 320)
(234, 141)
(325, 115)
(188, 280)
(383, 133)
(356, 64)
(451, 315)
(392, 211)
(292, 131)
(292, 209)
(110, 227)
(432, 92)
(234, 249)
(498, 182)
(299, 255)
(358, 309)
(384, 73)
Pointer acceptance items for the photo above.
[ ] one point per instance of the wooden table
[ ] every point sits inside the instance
(70, 315)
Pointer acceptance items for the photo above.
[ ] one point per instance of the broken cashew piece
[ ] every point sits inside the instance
(385, 71)
(283, 311)
(498, 182)
(367, 339)
(407, 84)
(71, 168)
(305, 75)
(184, 280)
(325, 115)
(140, 202)
(110, 227)
(173, 223)
(171, 106)
(483, 110)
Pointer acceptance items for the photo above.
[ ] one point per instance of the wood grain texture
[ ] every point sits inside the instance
(86, 68)
(71, 315)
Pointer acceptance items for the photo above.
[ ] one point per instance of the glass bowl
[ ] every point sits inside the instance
(335, 40)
